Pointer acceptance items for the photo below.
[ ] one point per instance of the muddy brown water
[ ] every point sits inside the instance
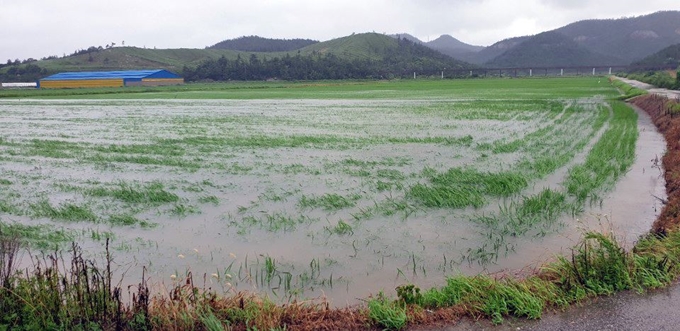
(382, 250)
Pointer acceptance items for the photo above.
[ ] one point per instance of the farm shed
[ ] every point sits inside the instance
(82, 79)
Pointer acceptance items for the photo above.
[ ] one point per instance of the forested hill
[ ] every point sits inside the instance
(359, 56)
(379, 47)
(618, 41)
(446, 44)
(550, 49)
(667, 57)
(259, 44)
(630, 38)
(489, 53)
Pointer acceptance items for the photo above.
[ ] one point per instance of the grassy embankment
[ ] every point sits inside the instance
(83, 296)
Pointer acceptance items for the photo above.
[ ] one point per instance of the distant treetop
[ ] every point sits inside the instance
(259, 44)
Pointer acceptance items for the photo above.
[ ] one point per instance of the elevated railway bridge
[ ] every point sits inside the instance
(542, 71)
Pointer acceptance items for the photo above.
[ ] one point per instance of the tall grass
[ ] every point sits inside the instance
(598, 265)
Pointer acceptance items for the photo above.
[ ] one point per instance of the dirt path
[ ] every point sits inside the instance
(671, 94)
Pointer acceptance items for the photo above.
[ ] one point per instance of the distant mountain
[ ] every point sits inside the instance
(550, 49)
(489, 53)
(620, 41)
(259, 44)
(669, 56)
(445, 44)
(407, 37)
(627, 38)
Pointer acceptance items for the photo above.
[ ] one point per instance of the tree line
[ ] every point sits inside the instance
(259, 44)
(23, 73)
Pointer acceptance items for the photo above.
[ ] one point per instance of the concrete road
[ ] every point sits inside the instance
(657, 310)
(671, 94)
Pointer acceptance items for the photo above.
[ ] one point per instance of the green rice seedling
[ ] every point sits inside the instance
(272, 222)
(382, 186)
(124, 220)
(167, 161)
(209, 199)
(180, 209)
(328, 201)
(446, 196)
(4, 181)
(128, 220)
(364, 213)
(143, 149)
(8, 207)
(153, 193)
(56, 149)
(66, 211)
(207, 182)
(391, 206)
(609, 159)
(459, 188)
(341, 229)
(193, 188)
(270, 268)
(390, 174)
(41, 237)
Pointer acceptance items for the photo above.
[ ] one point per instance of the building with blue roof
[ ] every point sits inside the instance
(84, 79)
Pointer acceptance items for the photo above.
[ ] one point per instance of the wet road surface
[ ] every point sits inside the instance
(671, 94)
(655, 310)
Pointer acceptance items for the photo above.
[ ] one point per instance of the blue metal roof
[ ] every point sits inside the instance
(123, 74)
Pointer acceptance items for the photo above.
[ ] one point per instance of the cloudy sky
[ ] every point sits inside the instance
(39, 28)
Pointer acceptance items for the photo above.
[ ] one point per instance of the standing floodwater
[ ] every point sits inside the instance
(339, 197)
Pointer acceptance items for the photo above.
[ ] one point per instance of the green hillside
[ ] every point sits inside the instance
(371, 46)
(379, 47)
(134, 58)
(259, 44)
(667, 57)
(628, 38)
(617, 41)
(489, 53)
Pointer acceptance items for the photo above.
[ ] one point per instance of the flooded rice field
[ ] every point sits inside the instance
(332, 198)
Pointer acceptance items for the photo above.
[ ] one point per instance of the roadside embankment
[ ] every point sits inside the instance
(666, 116)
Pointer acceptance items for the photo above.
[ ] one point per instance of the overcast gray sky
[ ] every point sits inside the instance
(39, 28)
